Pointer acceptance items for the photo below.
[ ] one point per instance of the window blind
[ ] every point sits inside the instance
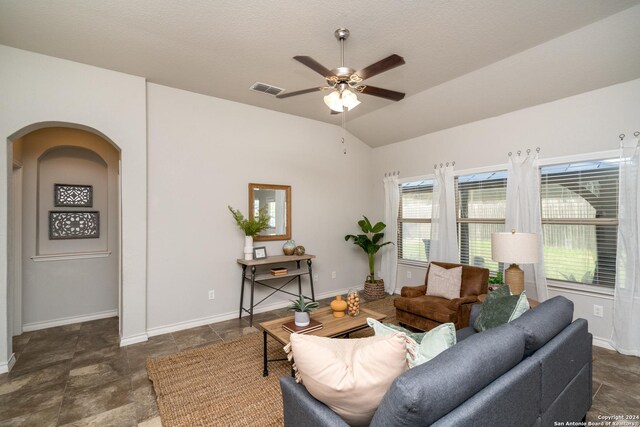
(414, 218)
(579, 204)
(480, 205)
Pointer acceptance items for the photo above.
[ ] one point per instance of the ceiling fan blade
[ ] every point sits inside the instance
(383, 93)
(300, 92)
(314, 65)
(381, 66)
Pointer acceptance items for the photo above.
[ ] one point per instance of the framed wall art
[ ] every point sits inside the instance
(73, 196)
(74, 225)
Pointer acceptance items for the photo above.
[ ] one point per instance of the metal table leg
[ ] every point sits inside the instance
(244, 269)
(253, 284)
(265, 370)
(313, 296)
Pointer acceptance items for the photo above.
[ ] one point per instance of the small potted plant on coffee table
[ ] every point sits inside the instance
(302, 309)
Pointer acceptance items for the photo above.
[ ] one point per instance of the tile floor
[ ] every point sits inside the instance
(78, 375)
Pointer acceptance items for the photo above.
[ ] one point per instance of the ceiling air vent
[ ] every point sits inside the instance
(265, 88)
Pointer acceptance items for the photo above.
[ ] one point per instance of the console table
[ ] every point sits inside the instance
(254, 276)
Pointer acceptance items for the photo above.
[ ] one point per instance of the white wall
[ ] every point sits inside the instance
(64, 280)
(585, 123)
(38, 91)
(203, 152)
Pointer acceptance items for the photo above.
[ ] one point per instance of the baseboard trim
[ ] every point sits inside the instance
(601, 342)
(165, 329)
(68, 320)
(134, 339)
(6, 367)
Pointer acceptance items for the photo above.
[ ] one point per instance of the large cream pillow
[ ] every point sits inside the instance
(349, 375)
(444, 282)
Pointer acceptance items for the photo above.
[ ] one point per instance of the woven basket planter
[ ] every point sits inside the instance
(374, 291)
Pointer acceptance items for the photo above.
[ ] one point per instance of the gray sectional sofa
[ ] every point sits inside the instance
(530, 372)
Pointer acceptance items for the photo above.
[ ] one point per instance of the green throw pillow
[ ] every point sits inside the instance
(424, 345)
(499, 308)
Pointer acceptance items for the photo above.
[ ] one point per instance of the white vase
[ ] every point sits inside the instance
(248, 247)
(301, 318)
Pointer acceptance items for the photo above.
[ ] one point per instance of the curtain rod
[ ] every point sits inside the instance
(528, 151)
(435, 165)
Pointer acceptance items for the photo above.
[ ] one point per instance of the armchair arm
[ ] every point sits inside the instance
(455, 303)
(413, 291)
(302, 409)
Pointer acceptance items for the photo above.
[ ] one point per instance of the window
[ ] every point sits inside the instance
(580, 221)
(480, 206)
(579, 206)
(414, 220)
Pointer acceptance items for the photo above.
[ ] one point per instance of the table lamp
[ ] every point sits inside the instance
(514, 248)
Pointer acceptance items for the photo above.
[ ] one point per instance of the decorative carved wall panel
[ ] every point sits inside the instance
(74, 225)
(78, 196)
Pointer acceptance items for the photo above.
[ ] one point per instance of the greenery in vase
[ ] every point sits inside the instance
(302, 306)
(369, 242)
(254, 225)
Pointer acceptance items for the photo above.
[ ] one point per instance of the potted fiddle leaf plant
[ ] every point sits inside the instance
(369, 241)
(301, 309)
(251, 227)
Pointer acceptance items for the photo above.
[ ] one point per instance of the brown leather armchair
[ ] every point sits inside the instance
(425, 312)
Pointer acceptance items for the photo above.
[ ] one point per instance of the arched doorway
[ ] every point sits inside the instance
(60, 278)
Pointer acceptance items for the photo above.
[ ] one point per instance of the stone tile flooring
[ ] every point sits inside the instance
(78, 375)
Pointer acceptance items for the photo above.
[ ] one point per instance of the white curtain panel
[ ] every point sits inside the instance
(389, 268)
(444, 236)
(523, 214)
(626, 301)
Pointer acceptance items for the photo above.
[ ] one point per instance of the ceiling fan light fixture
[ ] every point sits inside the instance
(349, 99)
(338, 101)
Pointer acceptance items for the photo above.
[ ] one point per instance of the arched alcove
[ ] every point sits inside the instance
(130, 317)
(70, 248)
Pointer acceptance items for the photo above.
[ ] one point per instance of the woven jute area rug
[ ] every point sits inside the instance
(220, 385)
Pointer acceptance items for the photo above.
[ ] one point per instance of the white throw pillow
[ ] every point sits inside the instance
(350, 376)
(425, 348)
(444, 282)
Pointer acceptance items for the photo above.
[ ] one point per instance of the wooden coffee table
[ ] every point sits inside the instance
(331, 327)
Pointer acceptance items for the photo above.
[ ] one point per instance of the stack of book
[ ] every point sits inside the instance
(278, 271)
(314, 325)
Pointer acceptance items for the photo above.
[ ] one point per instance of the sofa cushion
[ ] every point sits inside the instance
(499, 308)
(349, 375)
(444, 282)
(544, 322)
(423, 394)
(435, 308)
(425, 345)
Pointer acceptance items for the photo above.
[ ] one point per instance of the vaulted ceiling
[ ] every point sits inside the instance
(465, 60)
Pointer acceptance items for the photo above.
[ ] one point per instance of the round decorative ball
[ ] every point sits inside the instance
(353, 302)
(338, 306)
(299, 250)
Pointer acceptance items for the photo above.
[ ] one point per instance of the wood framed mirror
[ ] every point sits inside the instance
(277, 200)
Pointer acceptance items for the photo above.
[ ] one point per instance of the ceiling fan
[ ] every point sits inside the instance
(344, 81)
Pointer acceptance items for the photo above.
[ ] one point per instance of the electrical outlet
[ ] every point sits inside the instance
(212, 294)
(408, 275)
(333, 275)
(315, 277)
(598, 310)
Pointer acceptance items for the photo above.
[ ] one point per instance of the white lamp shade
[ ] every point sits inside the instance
(339, 101)
(333, 101)
(514, 248)
(349, 99)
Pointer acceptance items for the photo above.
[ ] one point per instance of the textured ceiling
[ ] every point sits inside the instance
(465, 60)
